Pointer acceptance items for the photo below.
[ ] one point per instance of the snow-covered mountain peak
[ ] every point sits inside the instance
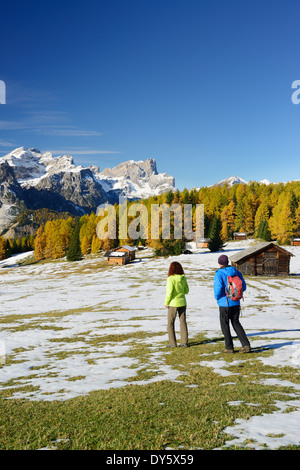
(265, 181)
(132, 168)
(31, 165)
(136, 179)
(232, 180)
(237, 180)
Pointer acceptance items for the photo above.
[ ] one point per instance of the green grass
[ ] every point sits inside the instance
(149, 412)
(189, 413)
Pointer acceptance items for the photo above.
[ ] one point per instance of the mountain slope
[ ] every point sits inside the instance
(11, 199)
(32, 179)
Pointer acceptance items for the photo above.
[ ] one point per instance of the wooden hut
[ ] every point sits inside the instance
(121, 255)
(263, 259)
(240, 236)
(202, 242)
(295, 241)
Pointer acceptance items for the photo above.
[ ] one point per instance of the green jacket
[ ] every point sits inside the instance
(177, 287)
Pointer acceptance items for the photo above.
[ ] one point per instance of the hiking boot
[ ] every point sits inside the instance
(245, 349)
(184, 345)
(171, 345)
(231, 351)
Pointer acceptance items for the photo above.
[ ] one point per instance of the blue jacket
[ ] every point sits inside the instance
(220, 283)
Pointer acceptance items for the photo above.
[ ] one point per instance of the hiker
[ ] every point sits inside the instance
(229, 305)
(175, 302)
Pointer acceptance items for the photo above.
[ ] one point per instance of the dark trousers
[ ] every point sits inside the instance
(231, 315)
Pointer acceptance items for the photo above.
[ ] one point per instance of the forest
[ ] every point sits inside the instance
(268, 212)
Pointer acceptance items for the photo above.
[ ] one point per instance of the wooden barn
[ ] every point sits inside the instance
(240, 236)
(263, 259)
(202, 242)
(121, 255)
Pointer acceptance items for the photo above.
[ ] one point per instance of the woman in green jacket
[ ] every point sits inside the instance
(177, 288)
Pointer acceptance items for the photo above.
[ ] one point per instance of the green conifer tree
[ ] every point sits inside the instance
(74, 251)
(263, 231)
(215, 242)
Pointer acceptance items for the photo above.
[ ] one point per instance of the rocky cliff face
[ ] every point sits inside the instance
(34, 180)
(11, 200)
(76, 192)
(135, 179)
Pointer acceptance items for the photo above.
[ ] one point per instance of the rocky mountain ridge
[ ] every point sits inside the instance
(32, 179)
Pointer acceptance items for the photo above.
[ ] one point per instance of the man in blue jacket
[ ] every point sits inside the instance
(229, 309)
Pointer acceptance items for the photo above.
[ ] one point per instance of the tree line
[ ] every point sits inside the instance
(9, 247)
(263, 211)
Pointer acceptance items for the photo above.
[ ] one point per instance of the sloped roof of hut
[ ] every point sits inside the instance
(115, 254)
(259, 247)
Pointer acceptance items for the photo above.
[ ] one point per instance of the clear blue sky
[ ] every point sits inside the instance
(204, 87)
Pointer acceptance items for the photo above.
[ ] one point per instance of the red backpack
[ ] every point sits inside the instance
(234, 290)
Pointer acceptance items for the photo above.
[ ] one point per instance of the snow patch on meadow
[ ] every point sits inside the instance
(54, 313)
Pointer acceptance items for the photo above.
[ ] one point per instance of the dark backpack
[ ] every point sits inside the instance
(234, 289)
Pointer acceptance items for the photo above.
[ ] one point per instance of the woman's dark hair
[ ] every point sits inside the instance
(175, 268)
